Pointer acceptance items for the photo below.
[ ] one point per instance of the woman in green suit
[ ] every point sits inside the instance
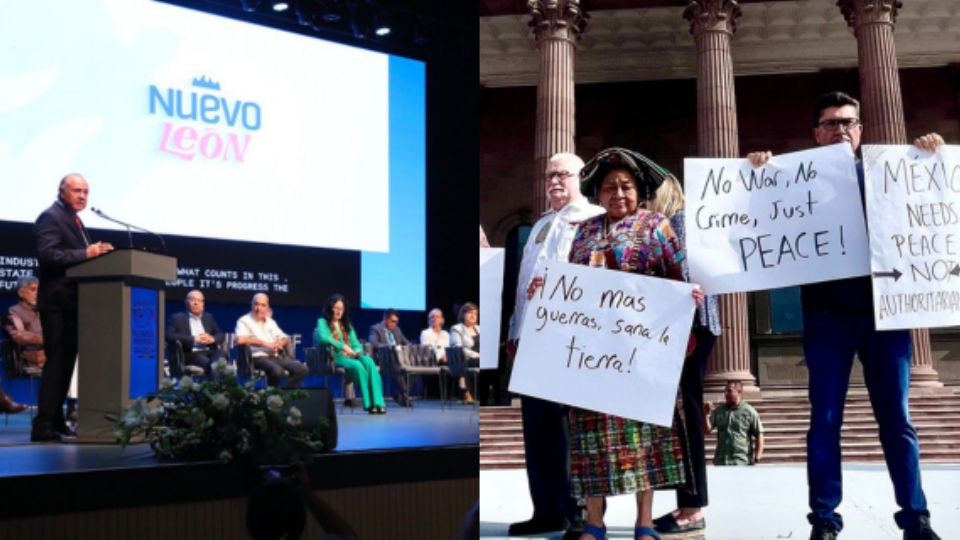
(334, 330)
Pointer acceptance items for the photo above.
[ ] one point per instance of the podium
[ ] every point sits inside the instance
(121, 321)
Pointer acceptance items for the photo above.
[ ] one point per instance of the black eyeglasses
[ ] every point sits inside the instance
(560, 175)
(836, 123)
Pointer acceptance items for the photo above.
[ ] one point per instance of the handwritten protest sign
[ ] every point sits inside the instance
(491, 290)
(606, 341)
(913, 210)
(798, 219)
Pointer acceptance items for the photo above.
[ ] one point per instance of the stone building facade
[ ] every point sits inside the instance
(713, 78)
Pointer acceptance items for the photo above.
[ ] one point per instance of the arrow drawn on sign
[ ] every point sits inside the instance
(895, 274)
(955, 271)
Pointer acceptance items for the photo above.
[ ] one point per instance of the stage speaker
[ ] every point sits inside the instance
(316, 406)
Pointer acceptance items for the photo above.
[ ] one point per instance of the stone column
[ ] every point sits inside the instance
(881, 106)
(712, 23)
(922, 374)
(557, 25)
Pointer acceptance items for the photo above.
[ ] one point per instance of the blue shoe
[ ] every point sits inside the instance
(640, 532)
(600, 533)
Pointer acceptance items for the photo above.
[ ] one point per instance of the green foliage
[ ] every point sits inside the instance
(220, 420)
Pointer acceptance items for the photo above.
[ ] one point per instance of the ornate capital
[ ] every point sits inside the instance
(861, 12)
(561, 19)
(712, 16)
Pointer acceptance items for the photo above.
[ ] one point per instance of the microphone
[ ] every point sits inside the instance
(108, 218)
(129, 226)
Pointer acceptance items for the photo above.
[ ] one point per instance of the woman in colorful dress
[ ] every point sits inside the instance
(335, 331)
(611, 455)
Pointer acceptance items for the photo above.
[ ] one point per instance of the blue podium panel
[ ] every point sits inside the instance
(144, 341)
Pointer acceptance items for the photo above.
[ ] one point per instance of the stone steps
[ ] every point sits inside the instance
(785, 420)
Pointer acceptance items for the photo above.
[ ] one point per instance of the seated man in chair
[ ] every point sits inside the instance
(198, 335)
(23, 322)
(268, 344)
(22, 327)
(388, 334)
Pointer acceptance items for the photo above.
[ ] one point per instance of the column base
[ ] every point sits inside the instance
(924, 377)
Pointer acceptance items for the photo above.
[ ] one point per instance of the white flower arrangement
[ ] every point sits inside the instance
(294, 417)
(220, 419)
(274, 403)
(186, 383)
(220, 401)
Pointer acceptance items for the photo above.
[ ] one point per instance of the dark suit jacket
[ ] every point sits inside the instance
(179, 330)
(60, 245)
(378, 335)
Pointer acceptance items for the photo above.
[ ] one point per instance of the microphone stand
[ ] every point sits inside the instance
(129, 226)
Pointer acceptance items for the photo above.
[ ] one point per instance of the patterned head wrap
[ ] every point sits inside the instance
(645, 171)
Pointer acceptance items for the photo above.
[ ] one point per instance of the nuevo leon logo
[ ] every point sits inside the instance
(221, 140)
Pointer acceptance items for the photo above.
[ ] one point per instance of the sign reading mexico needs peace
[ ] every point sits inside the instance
(606, 341)
(491, 290)
(913, 211)
(798, 219)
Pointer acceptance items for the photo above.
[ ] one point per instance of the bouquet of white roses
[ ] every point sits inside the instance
(220, 419)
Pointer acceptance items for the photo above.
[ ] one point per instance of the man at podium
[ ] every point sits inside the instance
(62, 241)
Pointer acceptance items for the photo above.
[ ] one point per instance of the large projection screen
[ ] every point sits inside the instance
(224, 135)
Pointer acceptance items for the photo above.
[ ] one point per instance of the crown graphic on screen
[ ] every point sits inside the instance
(206, 82)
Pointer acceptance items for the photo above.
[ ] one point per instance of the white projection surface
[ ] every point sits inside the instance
(191, 124)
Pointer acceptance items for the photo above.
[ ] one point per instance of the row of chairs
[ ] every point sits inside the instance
(176, 356)
(409, 361)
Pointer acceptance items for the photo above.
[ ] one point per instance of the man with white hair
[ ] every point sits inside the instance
(62, 242)
(23, 322)
(268, 344)
(545, 437)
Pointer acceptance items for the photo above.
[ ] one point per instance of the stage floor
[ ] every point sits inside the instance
(424, 426)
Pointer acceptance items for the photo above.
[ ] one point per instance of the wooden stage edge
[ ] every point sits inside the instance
(112, 486)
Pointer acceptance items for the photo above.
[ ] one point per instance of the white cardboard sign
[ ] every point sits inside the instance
(798, 219)
(913, 211)
(606, 341)
(491, 291)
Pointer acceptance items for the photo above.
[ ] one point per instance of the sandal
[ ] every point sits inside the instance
(640, 532)
(600, 533)
(667, 524)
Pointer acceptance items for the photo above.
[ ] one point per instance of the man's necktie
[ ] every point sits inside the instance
(76, 219)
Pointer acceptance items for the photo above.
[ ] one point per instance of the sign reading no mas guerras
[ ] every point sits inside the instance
(606, 341)
(913, 209)
(798, 219)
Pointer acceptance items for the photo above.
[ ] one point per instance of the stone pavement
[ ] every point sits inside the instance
(752, 503)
